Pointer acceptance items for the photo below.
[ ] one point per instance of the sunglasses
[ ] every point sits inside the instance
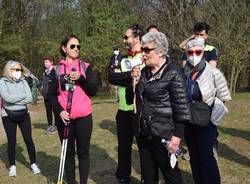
(146, 50)
(125, 37)
(196, 52)
(17, 69)
(75, 46)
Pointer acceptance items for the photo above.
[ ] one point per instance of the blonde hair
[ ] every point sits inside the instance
(12, 63)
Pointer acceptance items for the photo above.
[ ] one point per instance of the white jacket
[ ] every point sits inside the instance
(213, 83)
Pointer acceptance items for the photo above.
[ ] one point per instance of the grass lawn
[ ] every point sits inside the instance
(233, 160)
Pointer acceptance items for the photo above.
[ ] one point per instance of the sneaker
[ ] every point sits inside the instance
(35, 169)
(48, 129)
(53, 130)
(12, 170)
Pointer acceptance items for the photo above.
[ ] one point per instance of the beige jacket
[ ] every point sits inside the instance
(213, 83)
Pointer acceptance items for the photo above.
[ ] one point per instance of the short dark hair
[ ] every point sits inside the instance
(115, 47)
(48, 57)
(65, 41)
(152, 26)
(137, 30)
(200, 26)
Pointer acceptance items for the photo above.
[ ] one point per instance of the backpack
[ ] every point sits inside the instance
(29, 81)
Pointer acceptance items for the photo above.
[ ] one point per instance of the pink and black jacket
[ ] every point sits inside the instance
(85, 88)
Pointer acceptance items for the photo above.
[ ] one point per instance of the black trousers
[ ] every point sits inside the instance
(10, 128)
(154, 155)
(79, 136)
(49, 110)
(200, 142)
(125, 140)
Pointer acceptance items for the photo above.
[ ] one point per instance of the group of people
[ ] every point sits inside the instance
(158, 105)
(162, 102)
(15, 95)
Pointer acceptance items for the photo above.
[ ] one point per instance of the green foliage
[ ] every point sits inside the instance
(104, 26)
(230, 28)
(31, 29)
(98, 24)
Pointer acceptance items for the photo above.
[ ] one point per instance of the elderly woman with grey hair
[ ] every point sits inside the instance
(16, 94)
(162, 108)
(206, 87)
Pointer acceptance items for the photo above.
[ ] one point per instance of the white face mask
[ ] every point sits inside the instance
(194, 60)
(17, 75)
(116, 52)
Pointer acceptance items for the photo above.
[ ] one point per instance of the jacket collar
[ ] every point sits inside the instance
(132, 53)
(157, 75)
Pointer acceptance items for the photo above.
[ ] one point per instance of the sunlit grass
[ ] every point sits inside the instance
(234, 148)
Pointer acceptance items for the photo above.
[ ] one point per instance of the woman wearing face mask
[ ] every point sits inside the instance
(47, 85)
(77, 76)
(204, 84)
(16, 94)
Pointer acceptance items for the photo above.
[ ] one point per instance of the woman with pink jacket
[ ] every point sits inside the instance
(78, 76)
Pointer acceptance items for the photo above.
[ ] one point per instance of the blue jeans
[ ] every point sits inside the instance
(200, 142)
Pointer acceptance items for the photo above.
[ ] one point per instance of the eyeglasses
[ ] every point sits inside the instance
(17, 69)
(73, 46)
(146, 50)
(125, 37)
(196, 52)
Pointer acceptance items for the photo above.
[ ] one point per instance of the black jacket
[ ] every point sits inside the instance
(123, 79)
(114, 58)
(161, 101)
(49, 84)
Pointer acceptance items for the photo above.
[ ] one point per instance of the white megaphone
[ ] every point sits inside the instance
(131, 63)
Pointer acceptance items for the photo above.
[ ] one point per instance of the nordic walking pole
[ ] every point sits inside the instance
(65, 135)
(134, 99)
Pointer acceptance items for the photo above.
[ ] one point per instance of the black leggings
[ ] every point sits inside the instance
(25, 127)
(79, 133)
(48, 108)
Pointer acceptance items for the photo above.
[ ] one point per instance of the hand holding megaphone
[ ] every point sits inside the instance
(133, 65)
(136, 74)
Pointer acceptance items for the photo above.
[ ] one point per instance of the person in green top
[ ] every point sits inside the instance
(132, 40)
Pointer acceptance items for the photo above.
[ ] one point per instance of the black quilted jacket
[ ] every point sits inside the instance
(161, 101)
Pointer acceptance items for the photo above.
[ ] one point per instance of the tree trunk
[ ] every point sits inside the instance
(237, 72)
(232, 79)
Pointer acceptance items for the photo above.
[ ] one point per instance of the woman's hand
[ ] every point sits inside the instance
(74, 75)
(174, 144)
(65, 116)
(136, 74)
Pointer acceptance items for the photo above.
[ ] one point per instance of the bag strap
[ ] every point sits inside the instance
(58, 69)
(81, 65)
